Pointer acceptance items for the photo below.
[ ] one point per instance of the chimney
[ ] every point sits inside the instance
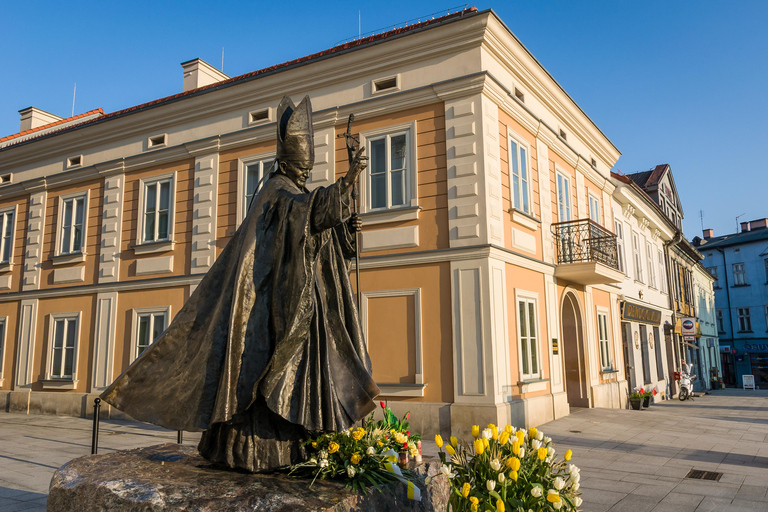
(758, 224)
(198, 73)
(744, 226)
(32, 117)
(708, 234)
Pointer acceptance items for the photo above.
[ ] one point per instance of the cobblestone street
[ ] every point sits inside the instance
(631, 460)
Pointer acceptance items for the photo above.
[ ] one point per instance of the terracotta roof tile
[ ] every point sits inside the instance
(51, 125)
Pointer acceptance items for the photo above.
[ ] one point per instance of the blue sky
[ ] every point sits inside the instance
(675, 82)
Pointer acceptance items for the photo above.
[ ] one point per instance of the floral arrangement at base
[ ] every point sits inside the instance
(508, 470)
(363, 456)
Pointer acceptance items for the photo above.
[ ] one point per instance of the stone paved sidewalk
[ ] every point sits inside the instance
(637, 460)
(631, 460)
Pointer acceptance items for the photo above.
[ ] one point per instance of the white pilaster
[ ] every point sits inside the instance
(33, 255)
(323, 172)
(545, 198)
(111, 228)
(104, 341)
(492, 172)
(204, 212)
(26, 343)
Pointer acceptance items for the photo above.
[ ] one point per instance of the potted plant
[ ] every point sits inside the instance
(647, 399)
(636, 401)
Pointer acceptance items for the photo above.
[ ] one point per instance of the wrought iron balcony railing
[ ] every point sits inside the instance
(582, 241)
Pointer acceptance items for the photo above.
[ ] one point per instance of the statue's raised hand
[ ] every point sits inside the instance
(358, 165)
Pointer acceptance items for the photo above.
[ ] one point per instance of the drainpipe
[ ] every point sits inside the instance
(727, 295)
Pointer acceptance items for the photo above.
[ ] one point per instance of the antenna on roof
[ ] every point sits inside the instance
(74, 93)
(359, 24)
(222, 59)
(737, 221)
(701, 215)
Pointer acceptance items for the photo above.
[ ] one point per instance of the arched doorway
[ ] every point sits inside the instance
(573, 353)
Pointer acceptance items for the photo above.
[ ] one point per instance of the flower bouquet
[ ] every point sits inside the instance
(508, 470)
(363, 456)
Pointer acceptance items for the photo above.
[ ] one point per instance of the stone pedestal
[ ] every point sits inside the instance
(174, 477)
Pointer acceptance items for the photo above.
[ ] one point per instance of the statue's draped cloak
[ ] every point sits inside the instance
(274, 317)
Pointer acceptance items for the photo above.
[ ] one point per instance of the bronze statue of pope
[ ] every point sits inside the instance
(269, 346)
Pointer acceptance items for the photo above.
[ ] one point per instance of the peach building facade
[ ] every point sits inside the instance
(488, 269)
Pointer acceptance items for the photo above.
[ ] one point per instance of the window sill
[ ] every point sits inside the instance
(532, 385)
(393, 389)
(745, 332)
(6, 267)
(393, 215)
(153, 247)
(740, 285)
(59, 383)
(524, 219)
(606, 371)
(66, 259)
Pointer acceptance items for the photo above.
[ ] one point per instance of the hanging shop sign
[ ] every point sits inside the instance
(635, 313)
(688, 326)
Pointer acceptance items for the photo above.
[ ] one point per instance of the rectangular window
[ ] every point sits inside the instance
(594, 209)
(602, 336)
(713, 272)
(766, 271)
(528, 333)
(2, 344)
(619, 228)
(157, 210)
(651, 270)
(388, 183)
(637, 257)
(65, 332)
(745, 322)
(720, 323)
(564, 198)
(645, 354)
(6, 242)
(254, 172)
(71, 235)
(150, 326)
(518, 163)
(662, 273)
(659, 356)
(739, 276)
(766, 320)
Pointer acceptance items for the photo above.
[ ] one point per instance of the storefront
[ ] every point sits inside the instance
(741, 358)
(645, 354)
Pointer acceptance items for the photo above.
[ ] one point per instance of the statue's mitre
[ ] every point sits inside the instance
(295, 136)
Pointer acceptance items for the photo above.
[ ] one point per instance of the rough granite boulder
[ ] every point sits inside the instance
(174, 477)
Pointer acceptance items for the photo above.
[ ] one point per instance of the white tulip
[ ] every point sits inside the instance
(559, 483)
(487, 433)
(323, 453)
(577, 501)
(539, 435)
(558, 505)
(573, 469)
(446, 470)
(370, 451)
(501, 478)
(535, 444)
(547, 440)
(576, 486)
(495, 465)
(522, 453)
(324, 463)
(313, 460)
(550, 452)
(536, 492)
(351, 471)
(490, 485)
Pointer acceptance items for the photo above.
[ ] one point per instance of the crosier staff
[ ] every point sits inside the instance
(353, 143)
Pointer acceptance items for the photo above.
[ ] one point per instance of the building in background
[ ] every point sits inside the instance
(709, 371)
(488, 270)
(738, 263)
(644, 231)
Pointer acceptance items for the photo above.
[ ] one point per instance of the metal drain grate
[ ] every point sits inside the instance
(575, 431)
(704, 475)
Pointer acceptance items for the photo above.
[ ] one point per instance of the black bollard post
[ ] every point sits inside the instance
(95, 436)
(180, 437)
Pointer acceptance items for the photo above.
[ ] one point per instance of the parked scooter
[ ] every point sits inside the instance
(686, 383)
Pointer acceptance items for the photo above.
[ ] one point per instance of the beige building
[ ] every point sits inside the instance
(488, 269)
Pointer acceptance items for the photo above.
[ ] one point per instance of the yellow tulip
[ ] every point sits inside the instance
(479, 446)
(465, 489)
(568, 455)
(355, 458)
(513, 475)
(450, 450)
(475, 431)
(542, 453)
(495, 432)
(454, 441)
(520, 436)
(439, 441)
(473, 507)
(333, 447)
(486, 443)
(503, 438)
(513, 463)
(553, 498)
(508, 429)
(532, 432)
(499, 506)
(516, 447)
(474, 500)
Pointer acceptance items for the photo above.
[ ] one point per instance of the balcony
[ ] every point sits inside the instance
(586, 253)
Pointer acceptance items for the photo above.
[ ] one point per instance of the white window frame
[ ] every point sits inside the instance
(242, 179)
(52, 319)
(143, 184)
(713, 272)
(649, 260)
(136, 313)
(528, 298)
(3, 336)
(637, 257)
(563, 179)
(594, 209)
(603, 338)
(745, 319)
(720, 320)
(662, 273)
(739, 274)
(84, 195)
(411, 172)
(523, 186)
(10, 244)
(618, 226)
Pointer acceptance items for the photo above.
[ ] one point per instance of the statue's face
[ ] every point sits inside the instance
(297, 171)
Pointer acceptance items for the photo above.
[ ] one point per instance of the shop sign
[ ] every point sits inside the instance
(725, 349)
(642, 314)
(756, 347)
(688, 327)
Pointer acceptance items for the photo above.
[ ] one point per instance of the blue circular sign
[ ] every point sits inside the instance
(688, 324)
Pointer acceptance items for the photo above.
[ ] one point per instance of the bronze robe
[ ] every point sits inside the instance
(272, 324)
